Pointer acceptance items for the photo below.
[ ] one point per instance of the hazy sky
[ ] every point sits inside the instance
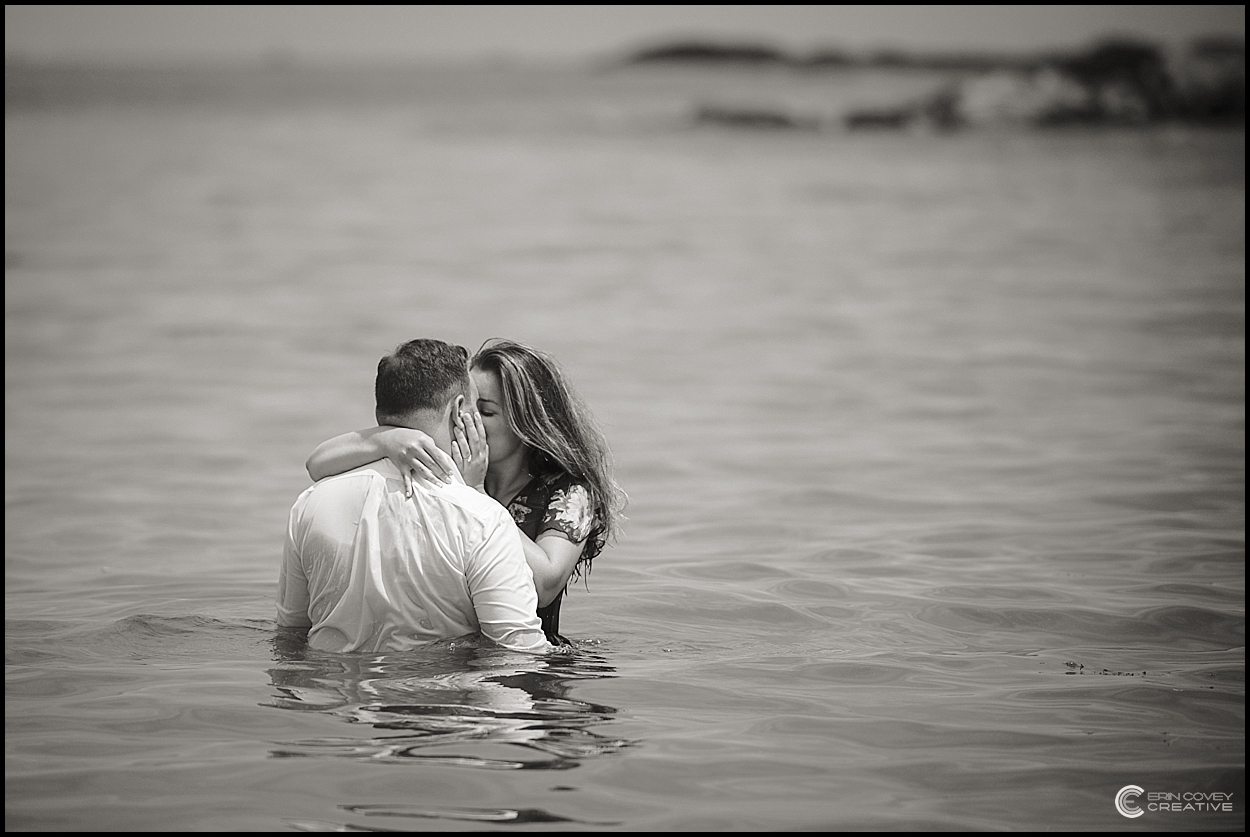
(426, 33)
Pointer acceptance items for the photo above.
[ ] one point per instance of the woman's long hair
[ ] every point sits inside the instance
(545, 412)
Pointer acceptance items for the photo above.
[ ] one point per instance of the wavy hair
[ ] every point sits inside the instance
(562, 434)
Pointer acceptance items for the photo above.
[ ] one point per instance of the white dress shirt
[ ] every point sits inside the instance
(368, 569)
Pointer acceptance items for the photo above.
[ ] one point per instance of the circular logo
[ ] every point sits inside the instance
(1124, 801)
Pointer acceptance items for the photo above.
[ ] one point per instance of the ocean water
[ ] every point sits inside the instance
(934, 445)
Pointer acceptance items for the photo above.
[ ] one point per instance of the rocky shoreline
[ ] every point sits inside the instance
(1116, 82)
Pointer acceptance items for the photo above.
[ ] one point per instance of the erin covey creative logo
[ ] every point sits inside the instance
(1132, 801)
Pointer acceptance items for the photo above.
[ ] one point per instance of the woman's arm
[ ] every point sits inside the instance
(567, 523)
(411, 450)
(551, 559)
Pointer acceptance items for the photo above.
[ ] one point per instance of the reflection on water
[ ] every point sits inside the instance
(461, 703)
(495, 816)
(457, 703)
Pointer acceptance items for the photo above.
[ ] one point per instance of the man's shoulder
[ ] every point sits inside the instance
(476, 519)
(456, 499)
(468, 501)
(348, 488)
(357, 479)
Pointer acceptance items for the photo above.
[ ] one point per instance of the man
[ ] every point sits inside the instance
(367, 568)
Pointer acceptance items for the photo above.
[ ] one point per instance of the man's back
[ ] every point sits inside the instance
(369, 569)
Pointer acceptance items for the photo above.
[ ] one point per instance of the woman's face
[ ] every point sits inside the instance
(503, 441)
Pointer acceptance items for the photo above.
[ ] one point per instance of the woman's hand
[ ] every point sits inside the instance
(415, 455)
(470, 451)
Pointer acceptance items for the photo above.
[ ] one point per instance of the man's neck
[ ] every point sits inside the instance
(429, 422)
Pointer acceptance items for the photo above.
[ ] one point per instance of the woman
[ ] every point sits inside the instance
(547, 463)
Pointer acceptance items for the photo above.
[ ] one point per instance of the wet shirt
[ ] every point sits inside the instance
(553, 502)
(367, 569)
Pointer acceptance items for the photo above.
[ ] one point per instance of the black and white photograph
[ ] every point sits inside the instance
(672, 418)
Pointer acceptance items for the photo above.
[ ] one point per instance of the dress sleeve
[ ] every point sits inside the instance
(569, 512)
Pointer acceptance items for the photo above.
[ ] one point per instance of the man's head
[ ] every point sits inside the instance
(423, 384)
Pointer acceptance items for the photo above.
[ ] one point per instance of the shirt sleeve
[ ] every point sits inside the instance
(293, 598)
(569, 512)
(502, 588)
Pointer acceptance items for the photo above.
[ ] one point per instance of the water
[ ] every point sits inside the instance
(935, 449)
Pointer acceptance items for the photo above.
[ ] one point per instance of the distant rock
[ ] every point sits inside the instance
(765, 118)
(1127, 80)
(1117, 81)
(1046, 97)
(826, 59)
(895, 118)
(947, 61)
(1211, 81)
(939, 111)
(706, 52)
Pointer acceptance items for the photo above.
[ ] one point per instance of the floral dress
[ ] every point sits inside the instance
(561, 503)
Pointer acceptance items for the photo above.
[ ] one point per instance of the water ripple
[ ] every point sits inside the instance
(1188, 627)
(463, 704)
(491, 816)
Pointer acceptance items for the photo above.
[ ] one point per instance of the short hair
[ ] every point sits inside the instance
(421, 374)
